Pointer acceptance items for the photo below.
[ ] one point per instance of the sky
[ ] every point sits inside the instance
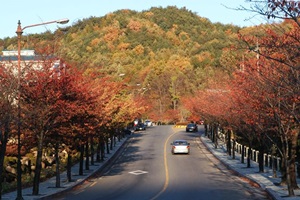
(31, 12)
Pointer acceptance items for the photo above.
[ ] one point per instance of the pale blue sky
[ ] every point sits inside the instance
(36, 11)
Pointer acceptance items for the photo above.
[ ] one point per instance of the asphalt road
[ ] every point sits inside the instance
(146, 170)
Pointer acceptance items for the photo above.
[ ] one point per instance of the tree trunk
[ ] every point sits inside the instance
(92, 151)
(4, 139)
(249, 154)
(205, 129)
(289, 183)
(283, 171)
(38, 165)
(215, 133)
(233, 149)
(69, 166)
(287, 166)
(29, 167)
(87, 157)
(57, 161)
(209, 133)
(273, 156)
(98, 152)
(292, 163)
(261, 158)
(81, 159)
(112, 141)
(102, 144)
(229, 142)
(107, 146)
(119, 135)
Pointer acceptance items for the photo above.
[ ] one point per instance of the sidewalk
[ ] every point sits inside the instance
(47, 188)
(265, 180)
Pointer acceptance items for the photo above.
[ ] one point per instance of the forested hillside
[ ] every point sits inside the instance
(164, 53)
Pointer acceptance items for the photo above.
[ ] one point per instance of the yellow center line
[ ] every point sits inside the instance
(166, 167)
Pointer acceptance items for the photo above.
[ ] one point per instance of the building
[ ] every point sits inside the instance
(29, 60)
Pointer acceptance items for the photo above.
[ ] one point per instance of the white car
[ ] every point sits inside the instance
(148, 122)
(180, 146)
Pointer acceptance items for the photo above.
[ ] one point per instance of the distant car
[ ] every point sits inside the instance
(191, 127)
(140, 127)
(180, 146)
(148, 122)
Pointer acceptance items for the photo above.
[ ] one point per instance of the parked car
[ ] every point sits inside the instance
(192, 127)
(148, 122)
(180, 146)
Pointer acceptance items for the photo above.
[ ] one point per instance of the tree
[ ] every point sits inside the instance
(275, 9)
(279, 76)
(8, 85)
(51, 98)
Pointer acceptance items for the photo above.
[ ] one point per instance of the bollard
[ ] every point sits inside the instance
(265, 159)
(278, 163)
(256, 153)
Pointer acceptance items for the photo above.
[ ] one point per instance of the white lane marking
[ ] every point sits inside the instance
(138, 172)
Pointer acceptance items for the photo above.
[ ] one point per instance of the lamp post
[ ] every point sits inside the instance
(19, 33)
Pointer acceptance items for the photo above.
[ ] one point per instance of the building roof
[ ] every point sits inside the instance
(24, 52)
(26, 55)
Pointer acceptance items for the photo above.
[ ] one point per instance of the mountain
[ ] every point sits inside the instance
(169, 52)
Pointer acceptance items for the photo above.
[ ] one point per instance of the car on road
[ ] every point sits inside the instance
(180, 146)
(140, 127)
(191, 127)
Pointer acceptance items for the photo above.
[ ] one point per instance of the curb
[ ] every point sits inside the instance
(273, 194)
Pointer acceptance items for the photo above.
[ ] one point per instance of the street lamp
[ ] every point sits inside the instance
(19, 34)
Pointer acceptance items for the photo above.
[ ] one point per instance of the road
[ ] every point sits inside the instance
(146, 169)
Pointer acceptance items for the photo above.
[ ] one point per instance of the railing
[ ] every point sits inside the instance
(269, 160)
